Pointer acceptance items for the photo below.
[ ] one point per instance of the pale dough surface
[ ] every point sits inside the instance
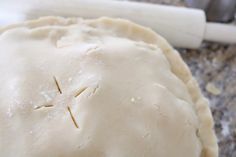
(128, 90)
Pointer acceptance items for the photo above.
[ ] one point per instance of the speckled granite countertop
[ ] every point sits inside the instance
(214, 66)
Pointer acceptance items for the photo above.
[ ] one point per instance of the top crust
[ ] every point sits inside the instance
(126, 29)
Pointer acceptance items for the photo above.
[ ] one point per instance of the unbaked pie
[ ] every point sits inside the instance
(98, 88)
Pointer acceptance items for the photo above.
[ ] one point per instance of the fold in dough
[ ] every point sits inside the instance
(98, 88)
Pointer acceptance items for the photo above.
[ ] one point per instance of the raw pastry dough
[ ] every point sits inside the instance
(98, 88)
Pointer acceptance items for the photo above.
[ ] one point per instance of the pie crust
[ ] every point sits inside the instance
(98, 87)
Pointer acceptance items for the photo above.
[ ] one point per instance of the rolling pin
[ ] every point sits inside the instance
(182, 27)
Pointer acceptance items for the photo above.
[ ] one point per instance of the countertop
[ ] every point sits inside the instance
(214, 66)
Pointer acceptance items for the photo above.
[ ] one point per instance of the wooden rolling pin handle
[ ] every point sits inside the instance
(222, 33)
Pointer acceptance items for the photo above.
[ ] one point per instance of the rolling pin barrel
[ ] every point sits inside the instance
(182, 27)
